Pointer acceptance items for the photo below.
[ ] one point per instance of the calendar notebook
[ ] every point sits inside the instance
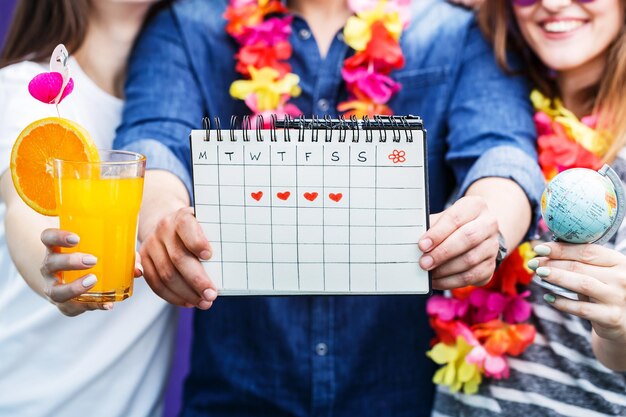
(313, 206)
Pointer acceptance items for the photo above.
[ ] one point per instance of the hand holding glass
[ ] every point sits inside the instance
(100, 201)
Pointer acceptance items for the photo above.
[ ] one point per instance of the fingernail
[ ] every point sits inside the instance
(543, 271)
(108, 306)
(549, 298)
(205, 305)
(90, 260)
(542, 250)
(209, 294)
(205, 255)
(72, 239)
(426, 262)
(425, 244)
(189, 305)
(533, 264)
(139, 267)
(89, 280)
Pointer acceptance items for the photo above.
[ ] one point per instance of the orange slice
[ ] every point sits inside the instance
(33, 152)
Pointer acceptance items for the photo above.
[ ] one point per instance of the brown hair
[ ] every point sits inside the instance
(499, 25)
(38, 26)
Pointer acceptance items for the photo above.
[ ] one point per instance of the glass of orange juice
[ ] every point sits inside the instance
(99, 201)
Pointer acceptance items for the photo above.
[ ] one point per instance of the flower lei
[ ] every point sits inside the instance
(476, 327)
(262, 29)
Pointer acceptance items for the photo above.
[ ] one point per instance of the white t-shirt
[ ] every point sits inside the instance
(101, 363)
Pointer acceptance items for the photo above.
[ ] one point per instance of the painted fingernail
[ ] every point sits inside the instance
(90, 260)
(209, 294)
(426, 262)
(542, 250)
(533, 264)
(89, 280)
(549, 298)
(108, 306)
(205, 305)
(425, 244)
(139, 267)
(72, 239)
(205, 255)
(543, 271)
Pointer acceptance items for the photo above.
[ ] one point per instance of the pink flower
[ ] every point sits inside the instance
(378, 87)
(268, 33)
(494, 365)
(490, 305)
(284, 108)
(446, 308)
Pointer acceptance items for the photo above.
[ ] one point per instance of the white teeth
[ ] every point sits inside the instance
(562, 26)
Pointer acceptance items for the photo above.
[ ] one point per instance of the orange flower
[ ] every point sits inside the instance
(240, 16)
(499, 338)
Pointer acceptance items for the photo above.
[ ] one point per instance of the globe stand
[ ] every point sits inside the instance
(612, 176)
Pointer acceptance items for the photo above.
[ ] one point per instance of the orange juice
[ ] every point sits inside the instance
(103, 212)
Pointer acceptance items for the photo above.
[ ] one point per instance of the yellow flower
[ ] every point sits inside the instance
(527, 253)
(596, 142)
(268, 88)
(456, 373)
(358, 30)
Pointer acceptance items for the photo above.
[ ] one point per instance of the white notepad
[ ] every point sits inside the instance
(310, 211)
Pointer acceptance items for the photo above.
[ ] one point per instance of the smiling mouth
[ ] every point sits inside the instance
(561, 26)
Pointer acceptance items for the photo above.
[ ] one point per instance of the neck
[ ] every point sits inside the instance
(572, 84)
(324, 17)
(110, 36)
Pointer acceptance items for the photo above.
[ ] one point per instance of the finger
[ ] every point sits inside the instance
(154, 281)
(462, 212)
(466, 261)
(191, 234)
(587, 253)
(57, 237)
(73, 308)
(61, 293)
(601, 273)
(463, 241)
(192, 271)
(169, 274)
(56, 262)
(478, 275)
(597, 313)
(579, 283)
(138, 267)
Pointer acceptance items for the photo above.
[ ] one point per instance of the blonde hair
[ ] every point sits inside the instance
(606, 98)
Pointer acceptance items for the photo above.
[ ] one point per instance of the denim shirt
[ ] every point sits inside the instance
(326, 355)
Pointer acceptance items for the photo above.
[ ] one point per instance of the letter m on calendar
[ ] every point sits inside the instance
(310, 212)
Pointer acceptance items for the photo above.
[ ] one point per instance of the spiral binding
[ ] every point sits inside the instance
(394, 127)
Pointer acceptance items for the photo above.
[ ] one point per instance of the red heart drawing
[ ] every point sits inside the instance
(335, 197)
(283, 196)
(310, 196)
(257, 196)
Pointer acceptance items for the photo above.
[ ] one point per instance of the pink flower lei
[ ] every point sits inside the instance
(262, 29)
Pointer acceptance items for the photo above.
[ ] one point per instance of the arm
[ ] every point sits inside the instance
(598, 275)
(39, 263)
(163, 104)
(492, 154)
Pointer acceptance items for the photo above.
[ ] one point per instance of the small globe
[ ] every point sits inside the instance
(579, 205)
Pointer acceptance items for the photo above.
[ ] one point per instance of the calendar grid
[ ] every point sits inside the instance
(219, 199)
(245, 221)
(335, 251)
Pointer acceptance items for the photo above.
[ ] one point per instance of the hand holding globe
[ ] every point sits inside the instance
(582, 206)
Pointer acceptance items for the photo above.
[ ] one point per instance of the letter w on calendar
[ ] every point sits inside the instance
(312, 216)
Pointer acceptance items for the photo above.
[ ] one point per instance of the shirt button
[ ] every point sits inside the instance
(323, 104)
(304, 34)
(321, 349)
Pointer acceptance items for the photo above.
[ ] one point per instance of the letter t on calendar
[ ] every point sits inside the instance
(312, 212)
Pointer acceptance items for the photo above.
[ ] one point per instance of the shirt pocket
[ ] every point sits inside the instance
(422, 77)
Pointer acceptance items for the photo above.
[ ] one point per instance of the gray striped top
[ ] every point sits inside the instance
(557, 376)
